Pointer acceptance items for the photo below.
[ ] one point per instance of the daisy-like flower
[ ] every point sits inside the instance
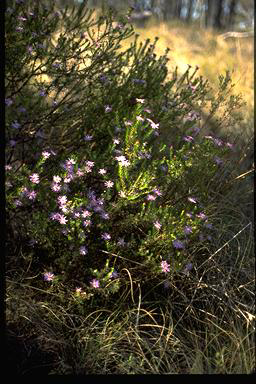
(102, 171)
(121, 242)
(79, 173)
(165, 266)
(108, 184)
(88, 137)
(45, 155)
(142, 101)
(178, 244)
(157, 225)
(152, 124)
(95, 283)
(157, 192)
(62, 200)
(122, 160)
(192, 200)
(106, 236)
(187, 230)
(86, 213)
(83, 250)
(140, 118)
(104, 215)
(55, 187)
(34, 178)
(89, 164)
(32, 195)
(189, 139)
(116, 141)
(56, 179)
(151, 197)
(87, 223)
(18, 203)
(201, 215)
(62, 219)
(48, 276)
(8, 167)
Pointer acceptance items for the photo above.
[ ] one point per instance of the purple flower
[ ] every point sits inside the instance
(18, 203)
(201, 237)
(165, 266)
(217, 160)
(208, 225)
(79, 173)
(201, 215)
(192, 200)
(104, 215)
(95, 283)
(106, 236)
(189, 139)
(178, 244)
(151, 197)
(188, 268)
(88, 137)
(34, 178)
(12, 143)
(87, 223)
(121, 242)
(41, 93)
(157, 192)
(83, 250)
(32, 195)
(187, 229)
(114, 275)
(62, 200)
(167, 284)
(157, 225)
(218, 142)
(8, 102)
(48, 276)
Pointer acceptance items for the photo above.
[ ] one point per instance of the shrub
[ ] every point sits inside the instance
(93, 185)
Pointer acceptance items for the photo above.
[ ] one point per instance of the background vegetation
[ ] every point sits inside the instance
(175, 293)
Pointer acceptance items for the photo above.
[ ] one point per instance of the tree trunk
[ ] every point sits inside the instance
(232, 12)
(209, 14)
(190, 10)
(217, 17)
